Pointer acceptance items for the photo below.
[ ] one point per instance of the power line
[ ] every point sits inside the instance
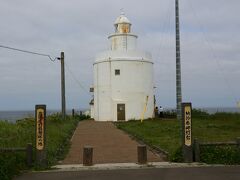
(165, 25)
(163, 39)
(76, 80)
(215, 57)
(29, 52)
(52, 59)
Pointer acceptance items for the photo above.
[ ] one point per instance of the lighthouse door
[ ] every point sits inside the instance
(120, 112)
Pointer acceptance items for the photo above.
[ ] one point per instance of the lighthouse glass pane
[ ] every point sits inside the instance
(123, 28)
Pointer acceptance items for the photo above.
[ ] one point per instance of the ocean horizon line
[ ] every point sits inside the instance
(14, 115)
(82, 109)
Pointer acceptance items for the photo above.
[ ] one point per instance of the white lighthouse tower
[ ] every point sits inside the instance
(123, 78)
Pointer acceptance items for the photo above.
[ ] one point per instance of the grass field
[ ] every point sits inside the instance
(166, 133)
(22, 132)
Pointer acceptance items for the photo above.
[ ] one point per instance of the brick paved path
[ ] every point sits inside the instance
(110, 145)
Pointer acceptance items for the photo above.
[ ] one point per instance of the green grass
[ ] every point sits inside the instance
(22, 132)
(166, 133)
(161, 133)
(213, 130)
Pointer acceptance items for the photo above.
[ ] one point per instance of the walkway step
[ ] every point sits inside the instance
(113, 166)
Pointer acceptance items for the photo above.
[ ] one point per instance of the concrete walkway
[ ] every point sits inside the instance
(110, 145)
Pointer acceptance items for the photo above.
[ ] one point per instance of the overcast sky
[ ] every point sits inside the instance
(210, 49)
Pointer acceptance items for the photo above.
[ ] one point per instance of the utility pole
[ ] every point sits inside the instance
(63, 86)
(178, 64)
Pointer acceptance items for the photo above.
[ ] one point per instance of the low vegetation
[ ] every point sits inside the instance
(220, 155)
(18, 134)
(166, 134)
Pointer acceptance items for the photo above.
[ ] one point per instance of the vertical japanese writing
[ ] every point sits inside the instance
(187, 126)
(40, 129)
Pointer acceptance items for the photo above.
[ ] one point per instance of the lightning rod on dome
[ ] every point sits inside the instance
(122, 11)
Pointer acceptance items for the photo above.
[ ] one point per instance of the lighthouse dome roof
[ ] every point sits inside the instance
(122, 19)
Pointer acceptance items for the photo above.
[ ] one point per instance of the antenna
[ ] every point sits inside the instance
(178, 64)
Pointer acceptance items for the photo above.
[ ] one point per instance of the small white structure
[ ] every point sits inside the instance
(123, 78)
(91, 108)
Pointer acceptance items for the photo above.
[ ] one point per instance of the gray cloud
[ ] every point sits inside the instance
(210, 48)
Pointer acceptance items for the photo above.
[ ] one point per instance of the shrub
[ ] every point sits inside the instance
(199, 113)
(177, 156)
(220, 155)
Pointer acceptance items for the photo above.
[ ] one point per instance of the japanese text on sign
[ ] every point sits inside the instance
(188, 118)
(40, 129)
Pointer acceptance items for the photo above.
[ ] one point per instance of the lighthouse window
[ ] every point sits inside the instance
(117, 72)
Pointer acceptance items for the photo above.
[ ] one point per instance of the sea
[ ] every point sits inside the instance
(221, 109)
(13, 116)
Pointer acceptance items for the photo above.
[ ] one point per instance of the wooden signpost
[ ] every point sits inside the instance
(40, 118)
(187, 132)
